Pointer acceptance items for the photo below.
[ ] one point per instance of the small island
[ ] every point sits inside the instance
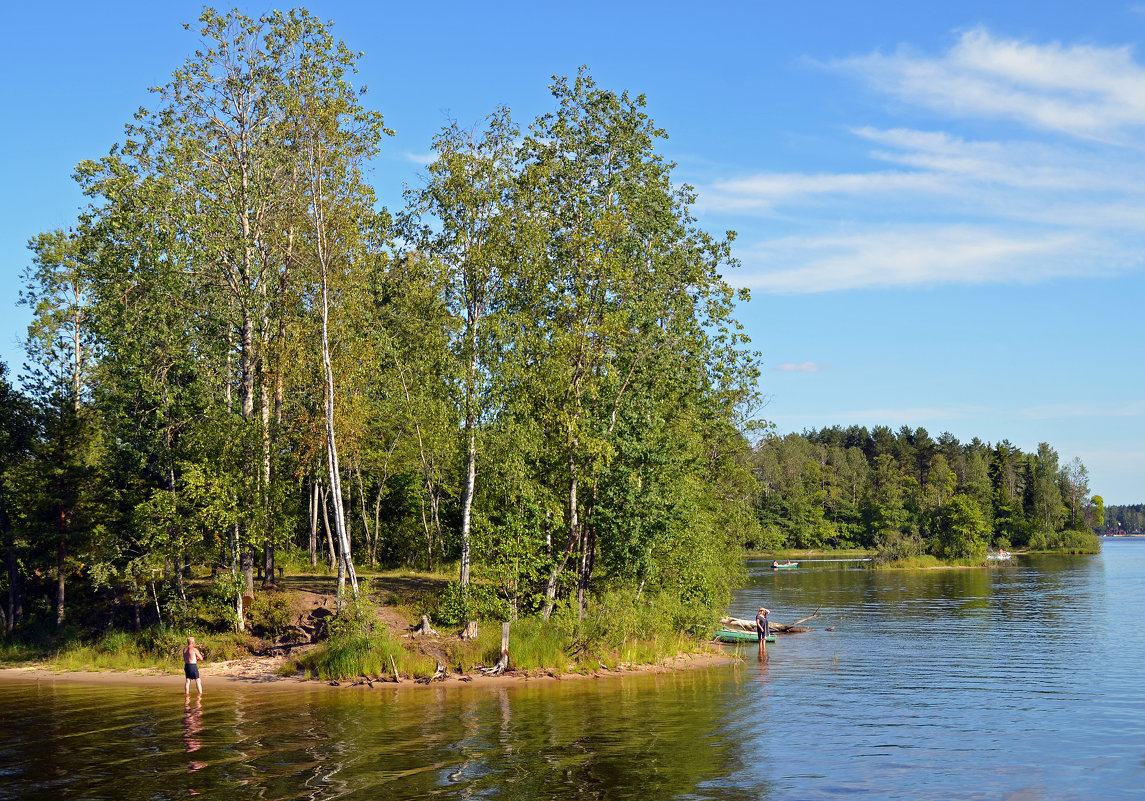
(527, 385)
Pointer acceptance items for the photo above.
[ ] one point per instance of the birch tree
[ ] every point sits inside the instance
(334, 137)
(470, 198)
(623, 274)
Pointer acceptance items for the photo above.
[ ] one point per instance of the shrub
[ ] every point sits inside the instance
(893, 546)
(270, 614)
(479, 601)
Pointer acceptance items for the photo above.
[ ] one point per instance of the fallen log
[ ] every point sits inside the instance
(777, 628)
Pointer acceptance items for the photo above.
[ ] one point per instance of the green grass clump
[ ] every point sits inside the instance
(156, 648)
(533, 645)
(115, 650)
(920, 561)
(16, 653)
(927, 561)
(348, 656)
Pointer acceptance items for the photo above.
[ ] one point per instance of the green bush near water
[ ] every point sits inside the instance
(1071, 541)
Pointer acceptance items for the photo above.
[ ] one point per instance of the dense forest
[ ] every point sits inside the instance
(530, 375)
(1123, 520)
(905, 494)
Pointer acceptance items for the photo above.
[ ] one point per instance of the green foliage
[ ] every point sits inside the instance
(961, 530)
(270, 614)
(895, 546)
(901, 491)
(1123, 519)
(1068, 541)
(478, 601)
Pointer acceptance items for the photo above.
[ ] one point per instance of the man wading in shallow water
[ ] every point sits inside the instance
(763, 629)
(191, 657)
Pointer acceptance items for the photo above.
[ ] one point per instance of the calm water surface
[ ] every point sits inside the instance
(1021, 682)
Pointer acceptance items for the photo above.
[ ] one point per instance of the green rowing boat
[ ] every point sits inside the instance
(782, 565)
(727, 635)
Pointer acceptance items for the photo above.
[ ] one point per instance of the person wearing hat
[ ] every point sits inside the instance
(762, 627)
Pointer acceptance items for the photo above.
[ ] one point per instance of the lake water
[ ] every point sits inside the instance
(1020, 682)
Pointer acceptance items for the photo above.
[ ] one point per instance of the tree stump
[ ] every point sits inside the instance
(503, 662)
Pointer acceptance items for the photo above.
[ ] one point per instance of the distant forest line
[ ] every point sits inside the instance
(905, 493)
(1123, 519)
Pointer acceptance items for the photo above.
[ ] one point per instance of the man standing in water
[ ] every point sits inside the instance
(191, 657)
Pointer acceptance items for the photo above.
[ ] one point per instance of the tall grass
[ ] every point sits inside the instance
(618, 631)
(15, 653)
(156, 648)
(349, 656)
(532, 646)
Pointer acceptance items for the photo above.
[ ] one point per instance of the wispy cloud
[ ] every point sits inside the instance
(419, 158)
(1080, 90)
(908, 256)
(764, 191)
(1128, 408)
(1068, 202)
(805, 367)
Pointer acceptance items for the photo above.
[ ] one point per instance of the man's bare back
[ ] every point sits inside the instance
(191, 657)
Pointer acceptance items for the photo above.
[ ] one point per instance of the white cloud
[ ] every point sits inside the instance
(763, 191)
(1081, 90)
(908, 257)
(948, 173)
(948, 209)
(805, 367)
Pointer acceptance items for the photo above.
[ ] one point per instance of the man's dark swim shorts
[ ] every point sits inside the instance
(190, 670)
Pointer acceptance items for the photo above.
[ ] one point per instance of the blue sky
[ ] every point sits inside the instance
(940, 206)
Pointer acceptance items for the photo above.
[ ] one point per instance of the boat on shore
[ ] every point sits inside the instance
(728, 635)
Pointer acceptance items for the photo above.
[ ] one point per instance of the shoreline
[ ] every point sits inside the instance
(242, 673)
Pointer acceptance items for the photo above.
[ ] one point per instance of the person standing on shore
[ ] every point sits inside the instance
(191, 657)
